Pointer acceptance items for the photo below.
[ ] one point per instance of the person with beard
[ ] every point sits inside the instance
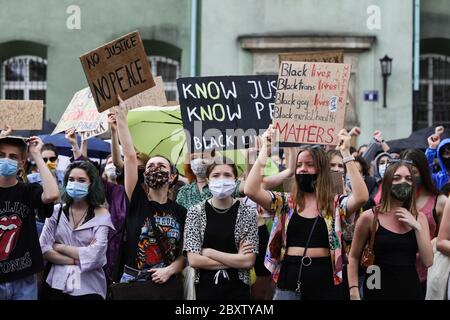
(305, 251)
(401, 232)
(154, 223)
(428, 201)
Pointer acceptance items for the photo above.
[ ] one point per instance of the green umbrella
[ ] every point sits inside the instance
(159, 131)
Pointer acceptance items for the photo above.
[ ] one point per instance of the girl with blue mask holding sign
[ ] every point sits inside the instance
(74, 240)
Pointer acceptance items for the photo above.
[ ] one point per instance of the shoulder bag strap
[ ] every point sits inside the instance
(302, 263)
(373, 229)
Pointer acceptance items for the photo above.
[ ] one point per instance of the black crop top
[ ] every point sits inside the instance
(299, 229)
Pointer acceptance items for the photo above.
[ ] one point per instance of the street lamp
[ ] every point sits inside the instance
(386, 69)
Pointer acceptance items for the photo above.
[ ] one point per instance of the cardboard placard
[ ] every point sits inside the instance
(329, 56)
(118, 67)
(225, 112)
(22, 114)
(81, 114)
(155, 96)
(310, 101)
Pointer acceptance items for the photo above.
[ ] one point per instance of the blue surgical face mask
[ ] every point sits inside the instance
(77, 190)
(8, 167)
(382, 169)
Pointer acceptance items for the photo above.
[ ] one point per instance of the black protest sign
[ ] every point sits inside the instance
(118, 67)
(226, 112)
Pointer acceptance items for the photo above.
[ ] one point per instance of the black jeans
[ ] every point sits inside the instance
(58, 295)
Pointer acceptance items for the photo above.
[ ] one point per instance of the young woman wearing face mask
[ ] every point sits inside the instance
(221, 238)
(428, 201)
(380, 164)
(154, 224)
(75, 238)
(401, 233)
(198, 189)
(310, 210)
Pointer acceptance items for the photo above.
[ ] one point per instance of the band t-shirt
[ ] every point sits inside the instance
(20, 252)
(143, 250)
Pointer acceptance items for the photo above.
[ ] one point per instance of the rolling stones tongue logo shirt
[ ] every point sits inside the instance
(20, 252)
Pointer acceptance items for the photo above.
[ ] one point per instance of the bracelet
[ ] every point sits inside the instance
(348, 159)
(354, 287)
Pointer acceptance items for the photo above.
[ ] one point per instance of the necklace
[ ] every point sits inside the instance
(75, 225)
(220, 211)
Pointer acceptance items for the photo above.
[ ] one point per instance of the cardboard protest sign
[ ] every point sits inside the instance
(118, 67)
(225, 112)
(22, 114)
(329, 56)
(310, 101)
(155, 96)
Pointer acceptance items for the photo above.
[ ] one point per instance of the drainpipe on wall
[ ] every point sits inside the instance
(416, 57)
(194, 29)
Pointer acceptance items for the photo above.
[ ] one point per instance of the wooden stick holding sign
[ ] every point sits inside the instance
(119, 67)
(310, 101)
(22, 114)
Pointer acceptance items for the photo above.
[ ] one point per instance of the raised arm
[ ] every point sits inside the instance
(254, 185)
(50, 187)
(130, 159)
(360, 194)
(115, 149)
(71, 136)
(276, 180)
(6, 132)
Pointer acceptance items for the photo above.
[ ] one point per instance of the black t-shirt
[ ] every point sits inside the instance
(141, 248)
(20, 252)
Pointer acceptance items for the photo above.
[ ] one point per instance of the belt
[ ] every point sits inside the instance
(138, 274)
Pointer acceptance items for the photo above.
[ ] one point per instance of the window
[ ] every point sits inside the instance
(434, 97)
(169, 70)
(24, 78)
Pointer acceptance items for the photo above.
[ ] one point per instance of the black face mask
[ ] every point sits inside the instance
(155, 178)
(306, 182)
(401, 191)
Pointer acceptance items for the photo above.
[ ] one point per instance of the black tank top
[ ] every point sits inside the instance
(298, 231)
(395, 249)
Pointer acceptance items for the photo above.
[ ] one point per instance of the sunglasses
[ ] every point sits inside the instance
(51, 159)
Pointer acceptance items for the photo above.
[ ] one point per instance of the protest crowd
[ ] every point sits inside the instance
(318, 220)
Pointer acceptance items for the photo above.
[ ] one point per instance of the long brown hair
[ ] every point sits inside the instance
(324, 186)
(386, 196)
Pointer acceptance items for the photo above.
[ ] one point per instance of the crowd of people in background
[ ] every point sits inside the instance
(133, 227)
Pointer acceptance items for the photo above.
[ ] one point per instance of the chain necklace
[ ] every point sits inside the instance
(221, 211)
(75, 225)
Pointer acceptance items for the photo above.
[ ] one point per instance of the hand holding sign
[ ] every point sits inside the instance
(35, 146)
(112, 121)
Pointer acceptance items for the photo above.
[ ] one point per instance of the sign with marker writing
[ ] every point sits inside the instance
(118, 67)
(310, 101)
(226, 112)
(22, 114)
(329, 56)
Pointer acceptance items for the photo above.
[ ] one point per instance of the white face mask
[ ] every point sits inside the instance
(222, 188)
(382, 169)
(110, 170)
(198, 167)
